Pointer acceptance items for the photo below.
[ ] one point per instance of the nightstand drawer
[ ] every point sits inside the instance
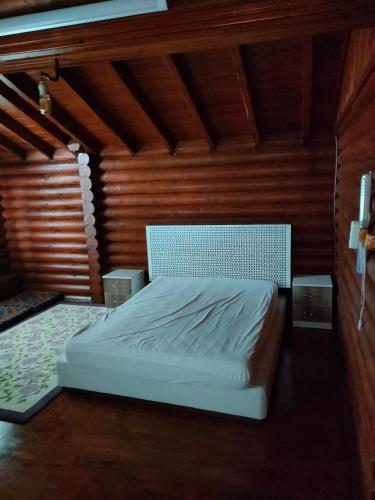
(319, 314)
(122, 284)
(116, 299)
(118, 285)
(313, 295)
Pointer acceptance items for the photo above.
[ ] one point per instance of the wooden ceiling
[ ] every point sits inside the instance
(233, 86)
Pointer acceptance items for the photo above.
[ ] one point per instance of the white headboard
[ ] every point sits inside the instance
(256, 251)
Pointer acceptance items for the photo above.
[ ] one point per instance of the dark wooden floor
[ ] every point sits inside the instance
(85, 446)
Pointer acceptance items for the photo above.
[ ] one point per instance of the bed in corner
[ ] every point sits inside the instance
(205, 333)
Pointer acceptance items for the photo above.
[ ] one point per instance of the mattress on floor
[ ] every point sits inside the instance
(185, 330)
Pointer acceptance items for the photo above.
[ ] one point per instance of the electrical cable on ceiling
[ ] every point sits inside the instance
(363, 258)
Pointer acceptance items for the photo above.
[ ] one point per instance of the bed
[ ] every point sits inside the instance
(205, 333)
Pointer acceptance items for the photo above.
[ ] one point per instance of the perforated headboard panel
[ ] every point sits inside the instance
(233, 251)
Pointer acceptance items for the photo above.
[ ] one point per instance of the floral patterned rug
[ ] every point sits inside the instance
(28, 351)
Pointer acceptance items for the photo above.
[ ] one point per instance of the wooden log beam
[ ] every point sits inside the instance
(307, 74)
(205, 185)
(42, 192)
(245, 93)
(118, 71)
(45, 170)
(235, 150)
(50, 278)
(52, 267)
(13, 97)
(232, 172)
(47, 204)
(74, 83)
(303, 224)
(44, 215)
(12, 147)
(39, 225)
(49, 237)
(287, 196)
(42, 181)
(183, 29)
(43, 246)
(215, 212)
(24, 133)
(26, 89)
(173, 66)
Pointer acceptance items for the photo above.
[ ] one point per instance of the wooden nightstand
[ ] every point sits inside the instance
(120, 285)
(312, 301)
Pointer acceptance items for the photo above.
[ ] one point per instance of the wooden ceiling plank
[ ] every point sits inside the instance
(307, 75)
(118, 71)
(245, 93)
(12, 147)
(91, 102)
(186, 93)
(29, 110)
(182, 30)
(26, 89)
(24, 133)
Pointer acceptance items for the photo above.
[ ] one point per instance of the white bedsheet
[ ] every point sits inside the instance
(185, 330)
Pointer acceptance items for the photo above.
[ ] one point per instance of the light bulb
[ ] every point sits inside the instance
(45, 101)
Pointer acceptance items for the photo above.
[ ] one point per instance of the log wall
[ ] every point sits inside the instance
(5, 263)
(290, 184)
(44, 225)
(49, 240)
(356, 156)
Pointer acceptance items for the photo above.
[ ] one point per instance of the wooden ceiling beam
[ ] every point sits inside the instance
(24, 133)
(12, 147)
(176, 72)
(26, 89)
(14, 98)
(245, 93)
(307, 75)
(194, 27)
(91, 102)
(118, 71)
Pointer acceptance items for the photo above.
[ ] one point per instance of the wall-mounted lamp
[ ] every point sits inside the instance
(360, 239)
(45, 101)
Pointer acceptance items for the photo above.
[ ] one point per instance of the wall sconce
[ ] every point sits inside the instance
(45, 101)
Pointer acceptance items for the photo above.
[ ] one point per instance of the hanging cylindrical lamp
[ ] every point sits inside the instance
(45, 101)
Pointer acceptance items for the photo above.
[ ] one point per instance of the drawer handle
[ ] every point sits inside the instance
(311, 296)
(117, 302)
(308, 314)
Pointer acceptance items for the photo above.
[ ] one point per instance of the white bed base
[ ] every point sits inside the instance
(261, 251)
(251, 402)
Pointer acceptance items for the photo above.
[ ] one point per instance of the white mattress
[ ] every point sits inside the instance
(201, 331)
